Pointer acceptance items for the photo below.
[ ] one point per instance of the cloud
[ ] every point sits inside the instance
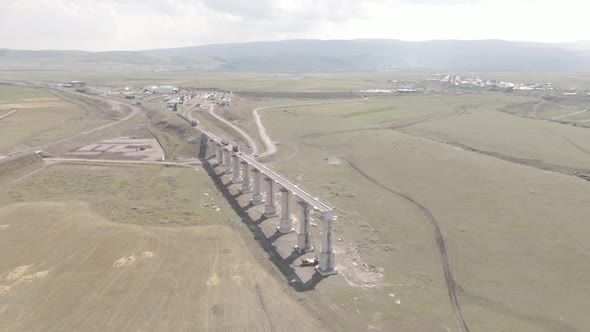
(50, 24)
(143, 24)
(263, 9)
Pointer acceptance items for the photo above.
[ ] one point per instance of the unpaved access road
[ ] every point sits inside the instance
(190, 164)
(270, 147)
(239, 130)
(65, 268)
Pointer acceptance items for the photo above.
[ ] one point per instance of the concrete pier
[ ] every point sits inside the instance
(326, 267)
(246, 188)
(257, 195)
(218, 154)
(226, 161)
(236, 169)
(210, 146)
(286, 223)
(304, 236)
(270, 208)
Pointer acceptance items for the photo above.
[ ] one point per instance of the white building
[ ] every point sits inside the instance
(164, 89)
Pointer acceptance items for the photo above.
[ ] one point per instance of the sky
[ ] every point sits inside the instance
(102, 25)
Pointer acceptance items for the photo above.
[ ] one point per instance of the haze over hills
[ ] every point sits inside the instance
(320, 56)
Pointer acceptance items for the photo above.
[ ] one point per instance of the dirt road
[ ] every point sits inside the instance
(65, 268)
(239, 130)
(270, 147)
(136, 162)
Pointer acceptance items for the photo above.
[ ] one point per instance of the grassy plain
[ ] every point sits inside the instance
(148, 195)
(15, 94)
(65, 267)
(230, 81)
(102, 247)
(515, 233)
(295, 82)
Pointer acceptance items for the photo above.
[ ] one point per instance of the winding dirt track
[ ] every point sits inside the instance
(440, 244)
(240, 131)
(268, 143)
(410, 122)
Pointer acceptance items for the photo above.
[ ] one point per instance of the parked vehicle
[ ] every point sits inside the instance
(310, 261)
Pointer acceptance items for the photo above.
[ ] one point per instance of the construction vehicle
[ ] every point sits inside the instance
(310, 261)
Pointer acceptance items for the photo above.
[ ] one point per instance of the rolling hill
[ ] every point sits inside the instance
(320, 56)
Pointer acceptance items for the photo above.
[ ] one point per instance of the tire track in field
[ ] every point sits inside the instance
(263, 305)
(576, 146)
(7, 114)
(391, 127)
(440, 244)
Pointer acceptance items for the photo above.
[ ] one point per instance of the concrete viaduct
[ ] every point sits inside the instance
(250, 173)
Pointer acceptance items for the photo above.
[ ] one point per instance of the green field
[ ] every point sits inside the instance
(13, 94)
(515, 234)
(148, 195)
(320, 82)
(231, 81)
(40, 117)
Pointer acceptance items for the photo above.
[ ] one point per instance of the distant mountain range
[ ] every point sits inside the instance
(319, 56)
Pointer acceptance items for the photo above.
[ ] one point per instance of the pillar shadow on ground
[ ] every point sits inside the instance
(284, 264)
(275, 236)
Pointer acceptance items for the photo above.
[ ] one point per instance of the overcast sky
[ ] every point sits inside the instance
(100, 25)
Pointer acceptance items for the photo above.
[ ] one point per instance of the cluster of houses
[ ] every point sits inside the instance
(459, 80)
(392, 90)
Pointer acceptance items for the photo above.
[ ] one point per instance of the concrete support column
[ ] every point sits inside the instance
(210, 146)
(236, 169)
(286, 225)
(327, 251)
(219, 154)
(226, 161)
(257, 195)
(246, 188)
(304, 236)
(270, 209)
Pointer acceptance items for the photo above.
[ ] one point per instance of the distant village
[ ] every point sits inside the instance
(450, 82)
(478, 82)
